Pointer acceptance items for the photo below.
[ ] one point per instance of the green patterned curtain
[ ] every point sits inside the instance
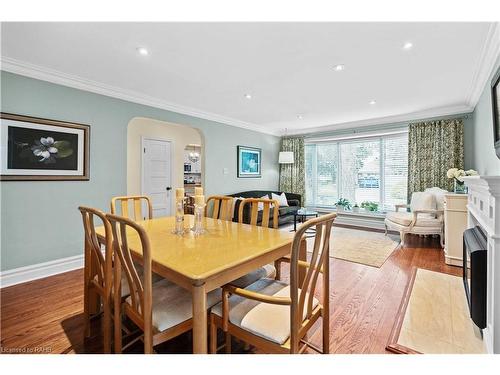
(292, 176)
(433, 148)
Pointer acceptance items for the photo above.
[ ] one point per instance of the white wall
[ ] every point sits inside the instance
(179, 135)
(485, 160)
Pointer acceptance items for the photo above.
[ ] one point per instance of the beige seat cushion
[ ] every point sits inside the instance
(405, 219)
(267, 271)
(173, 305)
(401, 218)
(271, 322)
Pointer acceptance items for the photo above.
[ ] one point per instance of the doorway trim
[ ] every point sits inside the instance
(172, 164)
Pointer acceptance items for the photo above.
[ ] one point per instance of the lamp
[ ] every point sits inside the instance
(285, 157)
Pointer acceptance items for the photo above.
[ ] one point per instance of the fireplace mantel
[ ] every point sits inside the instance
(483, 209)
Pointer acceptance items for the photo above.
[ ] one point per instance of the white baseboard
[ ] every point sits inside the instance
(40, 270)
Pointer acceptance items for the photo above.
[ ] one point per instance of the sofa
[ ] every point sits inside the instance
(285, 214)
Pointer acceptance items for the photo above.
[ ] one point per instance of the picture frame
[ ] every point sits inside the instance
(39, 149)
(495, 102)
(249, 162)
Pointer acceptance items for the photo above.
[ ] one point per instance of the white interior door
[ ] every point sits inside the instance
(157, 175)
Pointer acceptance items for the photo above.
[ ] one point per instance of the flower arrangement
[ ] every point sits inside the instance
(458, 175)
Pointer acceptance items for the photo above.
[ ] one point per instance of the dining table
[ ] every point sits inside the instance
(203, 262)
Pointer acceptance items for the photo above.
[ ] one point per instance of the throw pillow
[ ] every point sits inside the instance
(281, 199)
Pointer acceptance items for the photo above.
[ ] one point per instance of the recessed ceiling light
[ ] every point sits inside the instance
(248, 96)
(407, 46)
(372, 102)
(142, 51)
(339, 67)
(300, 117)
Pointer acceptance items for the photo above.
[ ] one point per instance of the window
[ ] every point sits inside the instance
(365, 169)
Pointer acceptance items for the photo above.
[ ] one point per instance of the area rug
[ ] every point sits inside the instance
(433, 317)
(361, 246)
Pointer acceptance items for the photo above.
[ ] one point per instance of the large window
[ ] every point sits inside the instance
(364, 169)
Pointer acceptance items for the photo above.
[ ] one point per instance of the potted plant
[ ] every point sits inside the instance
(343, 204)
(370, 206)
(355, 208)
(458, 182)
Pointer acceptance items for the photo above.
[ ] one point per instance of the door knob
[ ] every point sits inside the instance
(169, 188)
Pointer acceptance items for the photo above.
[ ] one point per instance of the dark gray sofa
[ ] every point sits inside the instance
(285, 213)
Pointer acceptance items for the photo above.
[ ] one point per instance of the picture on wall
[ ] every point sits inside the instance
(41, 149)
(249, 161)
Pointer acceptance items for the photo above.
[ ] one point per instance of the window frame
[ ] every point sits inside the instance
(381, 138)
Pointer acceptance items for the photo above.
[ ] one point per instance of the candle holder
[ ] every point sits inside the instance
(179, 218)
(198, 219)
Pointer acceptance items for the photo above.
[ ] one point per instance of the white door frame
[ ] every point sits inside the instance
(172, 165)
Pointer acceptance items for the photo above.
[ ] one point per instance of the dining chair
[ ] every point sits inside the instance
(162, 310)
(137, 202)
(274, 316)
(267, 206)
(98, 272)
(222, 207)
(263, 209)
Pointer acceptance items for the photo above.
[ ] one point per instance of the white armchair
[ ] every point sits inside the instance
(425, 216)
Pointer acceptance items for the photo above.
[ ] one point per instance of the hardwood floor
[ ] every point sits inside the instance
(46, 315)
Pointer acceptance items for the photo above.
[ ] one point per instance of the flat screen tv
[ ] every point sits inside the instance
(495, 100)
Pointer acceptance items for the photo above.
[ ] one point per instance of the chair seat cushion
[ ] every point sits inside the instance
(267, 271)
(405, 219)
(269, 321)
(401, 218)
(173, 305)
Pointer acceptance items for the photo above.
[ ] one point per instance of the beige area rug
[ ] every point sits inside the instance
(361, 246)
(434, 317)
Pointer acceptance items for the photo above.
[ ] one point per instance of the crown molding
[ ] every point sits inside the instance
(404, 117)
(486, 63)
(74, 81)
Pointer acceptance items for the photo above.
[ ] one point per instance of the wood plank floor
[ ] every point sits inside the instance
(46, 315)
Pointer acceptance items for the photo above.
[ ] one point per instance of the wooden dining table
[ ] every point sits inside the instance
(205, 262)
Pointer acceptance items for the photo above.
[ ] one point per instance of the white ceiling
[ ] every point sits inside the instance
(206, 69)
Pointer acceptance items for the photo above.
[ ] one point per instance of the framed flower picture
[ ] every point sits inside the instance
(249, 161)
(40, 149)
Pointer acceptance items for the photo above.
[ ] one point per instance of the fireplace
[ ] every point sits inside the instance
(475, 273)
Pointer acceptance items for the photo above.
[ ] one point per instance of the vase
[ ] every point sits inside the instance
(459, 187)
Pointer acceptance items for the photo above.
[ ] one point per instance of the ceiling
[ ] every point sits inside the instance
(206, 69)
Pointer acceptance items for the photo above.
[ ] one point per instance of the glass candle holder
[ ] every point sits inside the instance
(198, 219)
(179, 218)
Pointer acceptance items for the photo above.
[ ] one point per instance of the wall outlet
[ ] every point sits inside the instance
(225, 171)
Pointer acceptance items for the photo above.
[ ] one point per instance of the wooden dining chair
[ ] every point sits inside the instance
(273, 316)
(267, 208)
(162, 310)
(98, 272)
(222, 207)
(136, 201)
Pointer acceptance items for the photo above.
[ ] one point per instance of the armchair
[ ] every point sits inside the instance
(425, 216)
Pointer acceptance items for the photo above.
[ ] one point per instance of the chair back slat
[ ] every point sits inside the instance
(222, 207)
(124, 232)
(268, 205)
(136, 201)
(102, 265)
(319, 263)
